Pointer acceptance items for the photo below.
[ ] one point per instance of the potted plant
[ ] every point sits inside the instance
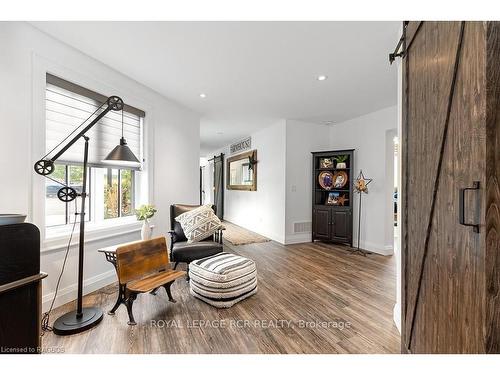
(144, 213)
(341, 161)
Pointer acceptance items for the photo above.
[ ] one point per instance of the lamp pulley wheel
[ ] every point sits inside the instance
(115, 103)
(44, 167)
(67, 194)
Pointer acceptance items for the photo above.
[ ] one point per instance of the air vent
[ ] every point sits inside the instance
(302, 227)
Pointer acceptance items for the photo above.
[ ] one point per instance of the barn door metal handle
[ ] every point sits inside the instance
(475, 186)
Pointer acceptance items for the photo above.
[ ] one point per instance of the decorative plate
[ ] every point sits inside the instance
(325, 180)
(340, 180)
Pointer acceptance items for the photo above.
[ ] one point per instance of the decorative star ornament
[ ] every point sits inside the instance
(251, 162)
(361, 183)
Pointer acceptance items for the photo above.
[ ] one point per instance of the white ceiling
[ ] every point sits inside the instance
(253, 73)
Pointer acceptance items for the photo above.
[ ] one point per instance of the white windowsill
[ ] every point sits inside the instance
(57, 238)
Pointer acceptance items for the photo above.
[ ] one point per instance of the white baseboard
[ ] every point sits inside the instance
(273, 237)
(397, 316)
(389, 249)
(297, 238)
(376, 248)
(69, 293)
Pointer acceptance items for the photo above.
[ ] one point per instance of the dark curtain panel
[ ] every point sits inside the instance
(219, 185)
(202, 192)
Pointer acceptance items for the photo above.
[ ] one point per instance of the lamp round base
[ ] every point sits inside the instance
(69, 323)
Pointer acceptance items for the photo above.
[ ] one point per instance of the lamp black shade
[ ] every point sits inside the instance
(122, 153)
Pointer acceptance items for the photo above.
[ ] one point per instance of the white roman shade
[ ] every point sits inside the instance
(69, 105)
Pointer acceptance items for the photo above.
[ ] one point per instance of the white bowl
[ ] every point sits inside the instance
(11, 219)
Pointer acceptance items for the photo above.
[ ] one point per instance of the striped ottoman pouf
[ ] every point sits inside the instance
(223, 279)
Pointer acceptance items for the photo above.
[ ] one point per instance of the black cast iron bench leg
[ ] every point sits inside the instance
(120, 299)
(129, 303)
(169, 293)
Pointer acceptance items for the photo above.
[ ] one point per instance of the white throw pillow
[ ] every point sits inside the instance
(199, 223)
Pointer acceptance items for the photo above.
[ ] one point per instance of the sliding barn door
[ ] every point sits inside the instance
(450, 270)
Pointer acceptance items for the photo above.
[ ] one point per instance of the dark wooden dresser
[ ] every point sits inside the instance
(20, 289)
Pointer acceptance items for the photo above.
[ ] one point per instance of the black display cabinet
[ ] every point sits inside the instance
(332, 196)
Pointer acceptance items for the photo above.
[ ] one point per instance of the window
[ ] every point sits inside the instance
(112, 190)
(118, 193)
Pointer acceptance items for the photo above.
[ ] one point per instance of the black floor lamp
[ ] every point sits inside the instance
(88, 317)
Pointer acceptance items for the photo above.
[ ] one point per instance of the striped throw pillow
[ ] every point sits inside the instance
(199, 223)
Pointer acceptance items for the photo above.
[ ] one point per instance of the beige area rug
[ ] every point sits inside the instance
(240, 236)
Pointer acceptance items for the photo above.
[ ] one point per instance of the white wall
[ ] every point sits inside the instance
(301, 139)
(367, 135)
(172, 145)
(262, 211)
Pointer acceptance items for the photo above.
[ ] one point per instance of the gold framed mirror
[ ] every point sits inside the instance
(242, 171)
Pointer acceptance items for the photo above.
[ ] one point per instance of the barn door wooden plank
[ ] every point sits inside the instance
(428, 79)
(437, 179)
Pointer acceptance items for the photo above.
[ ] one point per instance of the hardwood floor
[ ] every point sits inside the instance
(314, 284)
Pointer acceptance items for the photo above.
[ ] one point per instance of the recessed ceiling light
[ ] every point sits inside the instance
(322, 78)
(328, 123)
(203, 96)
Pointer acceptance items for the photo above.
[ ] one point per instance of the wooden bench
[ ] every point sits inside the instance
(142, 267)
